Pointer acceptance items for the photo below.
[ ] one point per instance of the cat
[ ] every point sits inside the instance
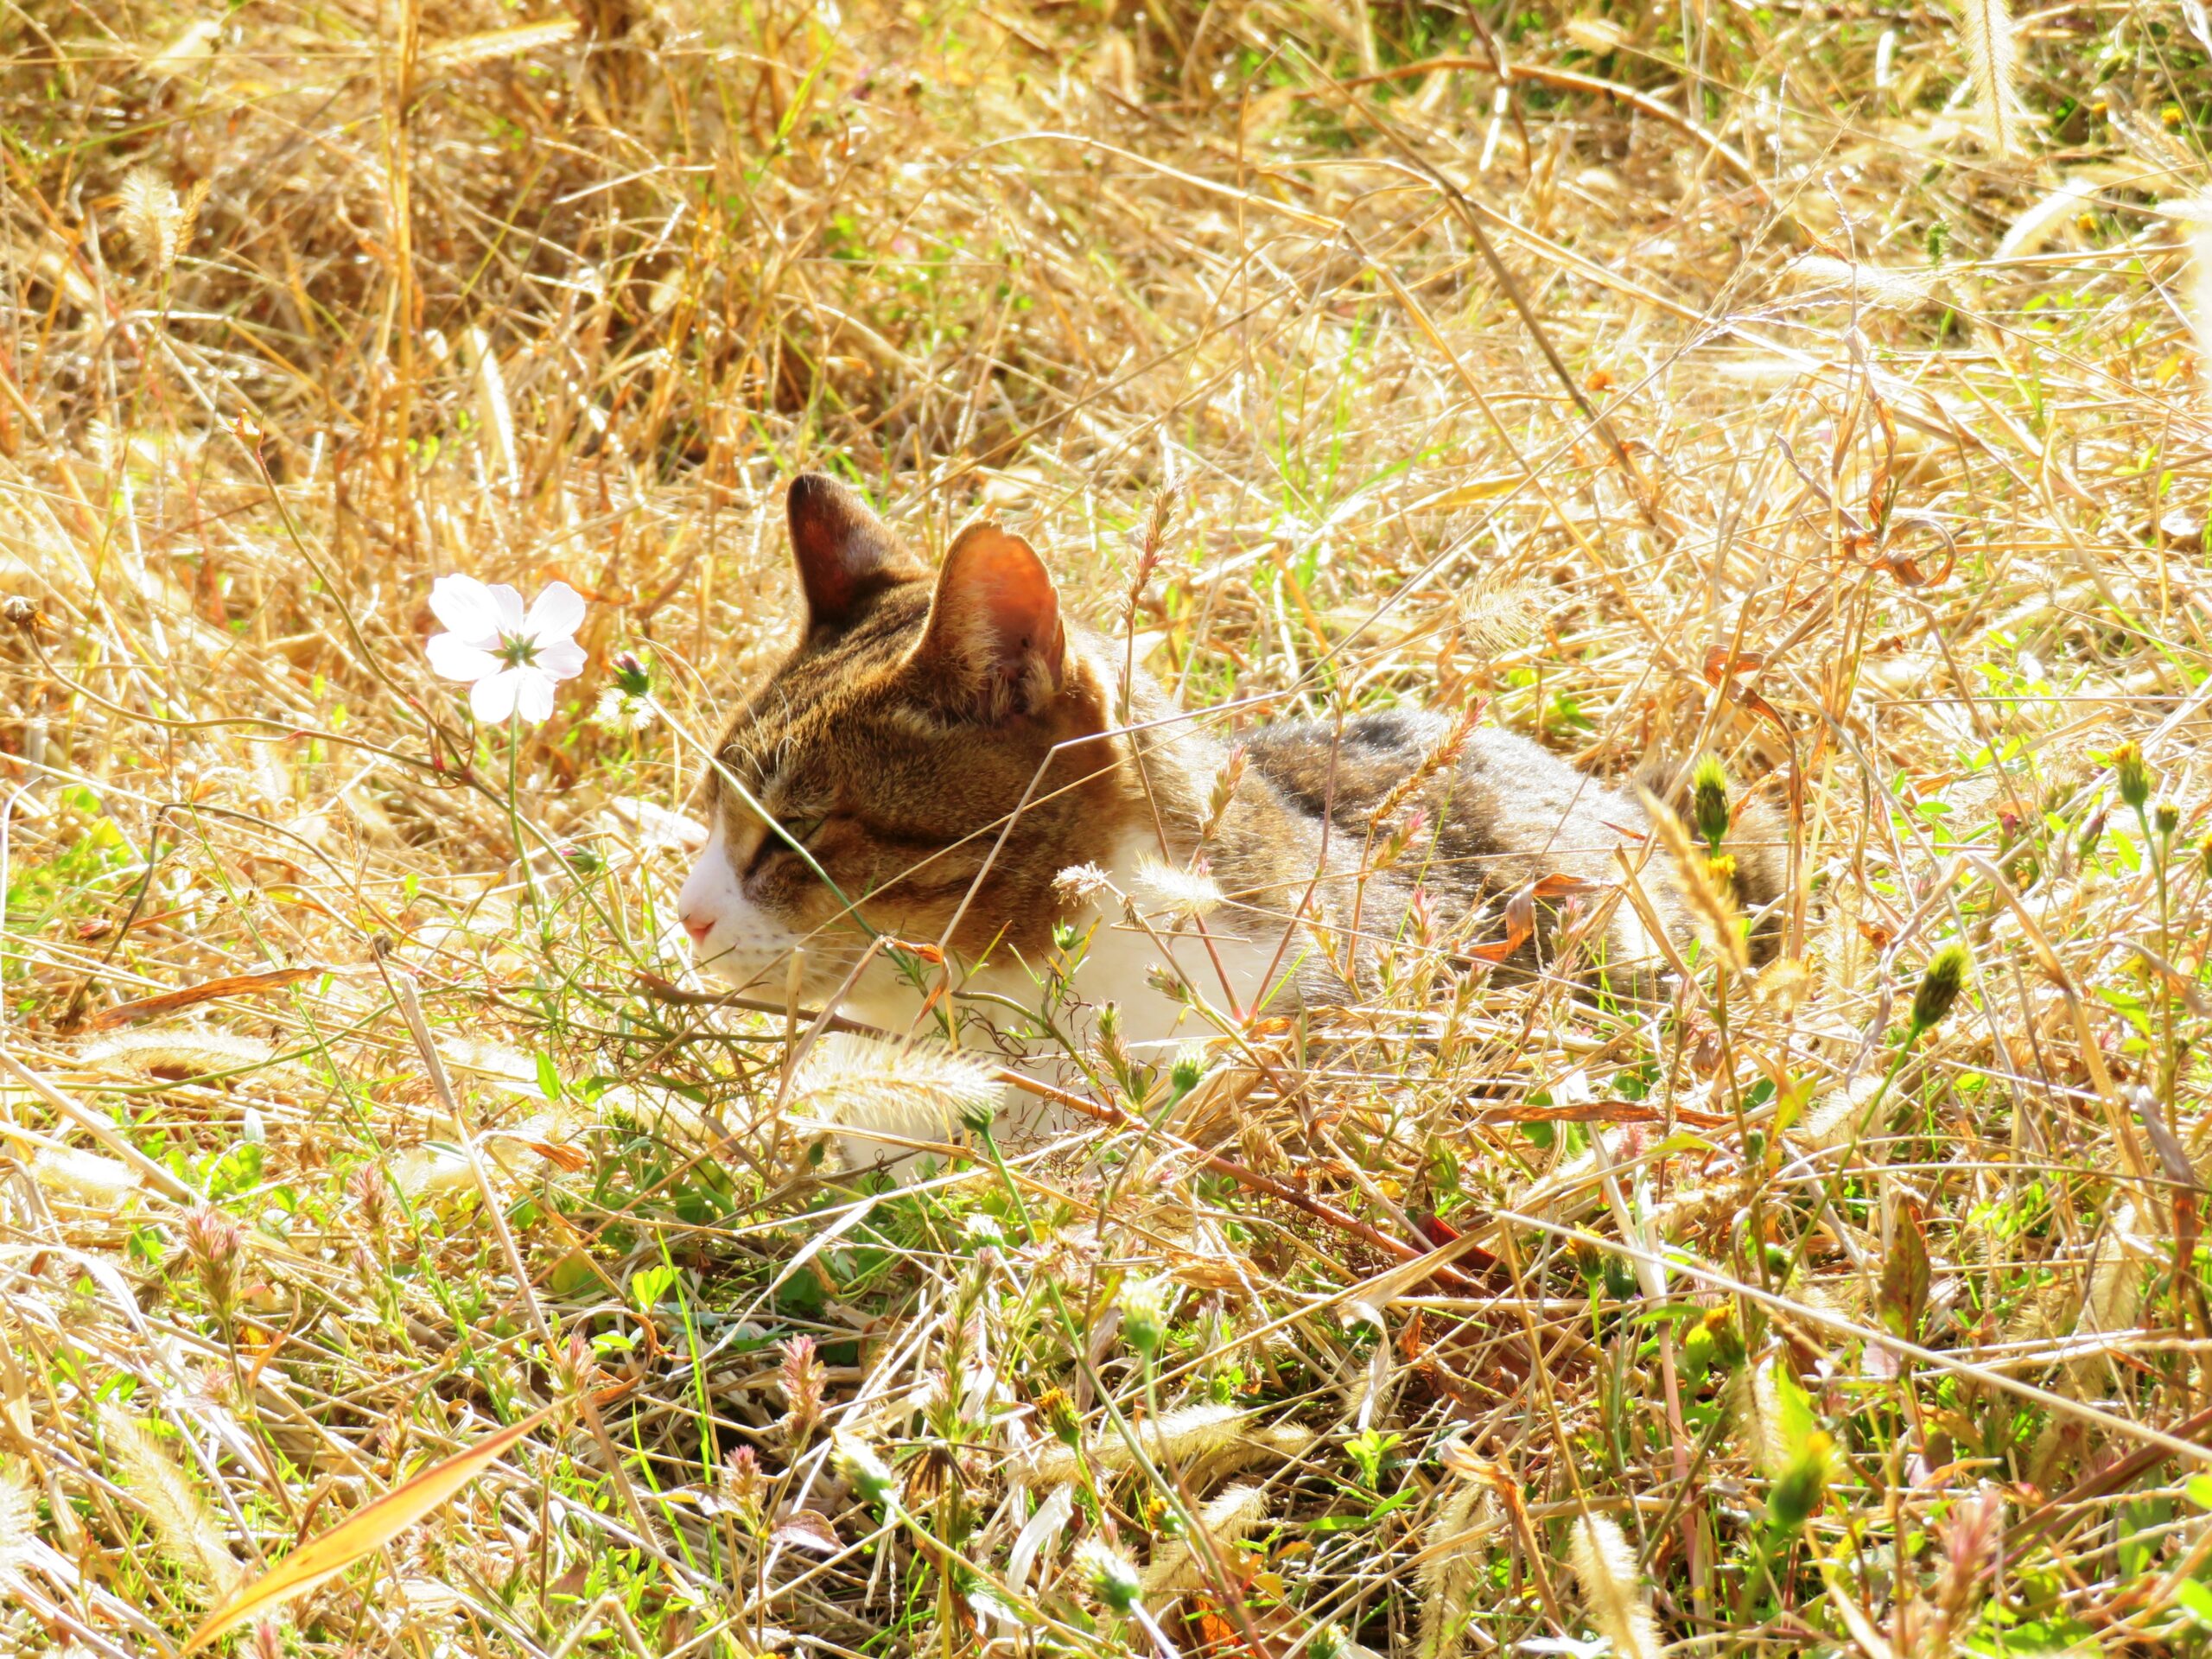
(946, 758)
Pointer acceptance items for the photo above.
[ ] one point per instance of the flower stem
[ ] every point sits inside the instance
(514, 826)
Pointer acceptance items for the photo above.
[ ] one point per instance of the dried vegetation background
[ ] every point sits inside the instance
(1813, 385)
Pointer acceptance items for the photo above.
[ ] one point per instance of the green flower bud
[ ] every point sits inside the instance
(1727, 1340)
(1781, 1263)
(1697, 1351)
(1709, 800)
(2166, 817)
(1939, 988)
(2133, 772)
(1111, 1576)
(1145, 1304)
(1620, 1278)
(865, 1472)
(630, 676)
(1796, 1497)
(1184, 1077)
(1588, 1262)
(2092, 833)
(1059, 1413)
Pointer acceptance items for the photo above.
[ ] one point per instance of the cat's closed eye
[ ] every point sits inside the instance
(783, 836)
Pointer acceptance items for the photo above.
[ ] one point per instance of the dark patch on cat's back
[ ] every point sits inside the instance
(1318, 764)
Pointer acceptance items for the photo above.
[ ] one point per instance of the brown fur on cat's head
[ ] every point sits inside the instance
(913, 717)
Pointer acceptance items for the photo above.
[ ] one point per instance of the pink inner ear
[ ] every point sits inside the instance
(998, 596)
(994, 644)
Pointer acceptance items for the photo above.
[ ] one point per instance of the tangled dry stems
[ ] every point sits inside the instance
(1861, 437)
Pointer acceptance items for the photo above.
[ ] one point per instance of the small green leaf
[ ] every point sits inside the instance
(2193, 1599)
(2200, 1491)
(649, 1284)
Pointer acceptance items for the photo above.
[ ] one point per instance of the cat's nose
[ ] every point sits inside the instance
(698, 925)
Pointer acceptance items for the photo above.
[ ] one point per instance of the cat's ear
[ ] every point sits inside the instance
(994, 647)
(846, 554)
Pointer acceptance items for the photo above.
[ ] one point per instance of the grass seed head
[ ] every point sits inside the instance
(804, 1379)
(1612, 1593)
(1708, 901)
(912, 1091)
(214, 1242)
(18, 1518)
(183, 1525)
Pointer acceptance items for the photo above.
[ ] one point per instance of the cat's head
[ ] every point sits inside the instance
(864, 786)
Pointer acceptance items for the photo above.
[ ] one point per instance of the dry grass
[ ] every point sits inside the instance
(1866, 442)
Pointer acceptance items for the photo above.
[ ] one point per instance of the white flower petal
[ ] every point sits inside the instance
(456, 659)
(533, 695)
(561, 660)
(508, 603)
(465, 606)
(557, 613)
(493, 698)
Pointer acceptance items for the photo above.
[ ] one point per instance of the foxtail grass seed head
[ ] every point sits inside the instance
(1185, 895)
(1986, 32)
(1717, 918)
(184, 1524)
(1709, 800)
(1604, 1568)
(2133, 773)
(915, 1091)
(1223, 791)
(1111, 1577)
(1946, 977)
(1079, 882)
(1796, 1497)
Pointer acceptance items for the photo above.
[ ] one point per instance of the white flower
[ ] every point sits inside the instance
(511, 660)
(618, 713)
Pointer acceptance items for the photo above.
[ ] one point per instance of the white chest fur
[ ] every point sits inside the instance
(1034, 1010)
(1123, 964)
